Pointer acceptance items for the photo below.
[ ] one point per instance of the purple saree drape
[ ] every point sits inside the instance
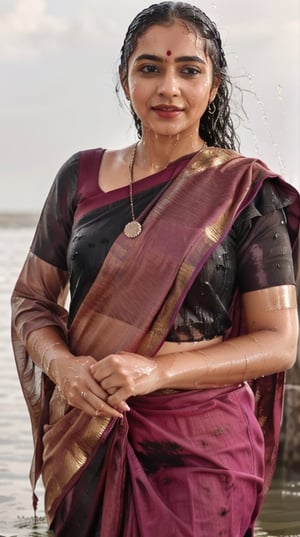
(186, 464)
(122, 312)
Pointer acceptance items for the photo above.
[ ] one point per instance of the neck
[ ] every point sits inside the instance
(155, 154)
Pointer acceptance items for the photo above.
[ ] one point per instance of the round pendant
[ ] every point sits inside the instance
(133, 229)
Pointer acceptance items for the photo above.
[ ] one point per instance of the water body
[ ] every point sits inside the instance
(281, 513)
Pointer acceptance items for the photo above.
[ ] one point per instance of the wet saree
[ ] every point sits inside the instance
(119, 313)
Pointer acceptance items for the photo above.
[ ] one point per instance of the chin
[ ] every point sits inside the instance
(170, 131)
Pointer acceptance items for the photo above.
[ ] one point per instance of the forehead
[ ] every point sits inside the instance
(177, 37)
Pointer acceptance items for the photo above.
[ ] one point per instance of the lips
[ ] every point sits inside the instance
(167, 111)
(167, 108)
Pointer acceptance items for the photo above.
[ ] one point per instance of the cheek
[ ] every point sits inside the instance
(139, 94)
(200, 94)
(137, 99)
(133, 88)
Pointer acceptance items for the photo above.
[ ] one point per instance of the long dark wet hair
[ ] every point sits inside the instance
(216, 126)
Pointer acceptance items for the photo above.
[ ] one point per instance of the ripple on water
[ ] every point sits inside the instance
(280, 516)
(29, 527)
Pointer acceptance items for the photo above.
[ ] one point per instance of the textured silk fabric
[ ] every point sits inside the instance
(99, 218)
(104, 322)
(199, 483)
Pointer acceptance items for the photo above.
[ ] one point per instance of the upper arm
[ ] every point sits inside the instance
(274, 310)
(265, 256)
(38, 298)
(54, 228)
(265, 265)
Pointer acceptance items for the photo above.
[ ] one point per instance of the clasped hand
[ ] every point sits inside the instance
(102, 388)
(124, 375)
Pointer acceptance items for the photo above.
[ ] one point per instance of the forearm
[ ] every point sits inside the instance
(230, 362)
(39, 320)
(46, 346)
(269, 347)
(70, 373)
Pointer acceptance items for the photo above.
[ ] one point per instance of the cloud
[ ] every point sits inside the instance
(28, 29)
(60, 58)
(22, 25)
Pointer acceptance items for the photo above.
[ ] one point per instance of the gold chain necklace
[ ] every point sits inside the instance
(133, 229)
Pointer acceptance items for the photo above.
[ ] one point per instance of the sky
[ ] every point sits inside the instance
(58, 64)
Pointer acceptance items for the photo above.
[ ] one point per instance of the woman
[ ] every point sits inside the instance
(179, 256)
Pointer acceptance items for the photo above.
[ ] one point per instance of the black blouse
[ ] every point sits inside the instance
(83, 222)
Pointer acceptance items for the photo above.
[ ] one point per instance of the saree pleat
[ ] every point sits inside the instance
(196, 478)
(159, 483)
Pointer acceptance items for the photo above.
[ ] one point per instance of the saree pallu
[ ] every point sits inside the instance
(188, 464)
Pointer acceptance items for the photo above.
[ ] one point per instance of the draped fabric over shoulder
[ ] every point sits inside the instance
(181, 229)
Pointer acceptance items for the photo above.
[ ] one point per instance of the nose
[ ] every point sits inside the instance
(168, 84)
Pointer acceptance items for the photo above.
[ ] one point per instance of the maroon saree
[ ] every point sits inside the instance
(120, 313)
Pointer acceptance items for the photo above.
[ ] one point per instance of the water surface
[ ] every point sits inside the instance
(281, 513)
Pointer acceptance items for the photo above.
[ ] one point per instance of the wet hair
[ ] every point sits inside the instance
(216, 126)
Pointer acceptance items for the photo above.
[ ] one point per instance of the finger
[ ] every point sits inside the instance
(110, 391)
(110, 385)
(105, 367)
(85, 406)
(117, 379)
(104, 394)
(98, 391)
(97, 406)
(118, 399)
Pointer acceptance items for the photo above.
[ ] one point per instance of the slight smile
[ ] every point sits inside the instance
(167, 111)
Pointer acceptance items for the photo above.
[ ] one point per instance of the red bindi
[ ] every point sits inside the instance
(169, 52)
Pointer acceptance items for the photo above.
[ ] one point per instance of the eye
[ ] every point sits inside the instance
(149, 68)
(191, 71)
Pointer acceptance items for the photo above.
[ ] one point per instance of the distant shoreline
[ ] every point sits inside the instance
(18, 219)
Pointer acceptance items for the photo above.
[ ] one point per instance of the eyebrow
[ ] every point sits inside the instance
(154, 58)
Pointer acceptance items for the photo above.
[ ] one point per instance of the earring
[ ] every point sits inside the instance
(211, 108)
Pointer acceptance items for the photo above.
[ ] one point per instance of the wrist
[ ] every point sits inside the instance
(162, 373)
(54, 355)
